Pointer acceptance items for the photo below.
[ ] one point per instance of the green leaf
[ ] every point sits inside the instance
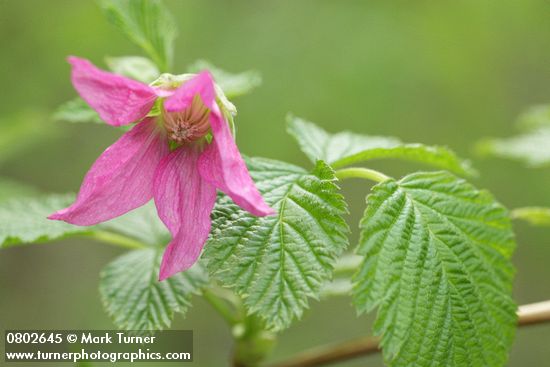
(233, 85)
(24, 220)
(142, 224)
(76, 110)
(436, 156)
(531, 148)
(148, 24)
(317, 143)
(277, 262)
(346, 148)
(534, 215)
(135, 67)
(136, 300)
(24, 212)
(437, 265)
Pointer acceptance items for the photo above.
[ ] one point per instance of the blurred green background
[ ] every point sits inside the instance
(426, 71)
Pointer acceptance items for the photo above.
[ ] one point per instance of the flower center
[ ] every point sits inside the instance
(188, 125)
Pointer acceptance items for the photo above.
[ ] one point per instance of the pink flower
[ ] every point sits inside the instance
(167, 158)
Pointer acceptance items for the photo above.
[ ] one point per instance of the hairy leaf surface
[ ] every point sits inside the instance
(278, 262)
(346, 148)
(136, 300)
(437, 265)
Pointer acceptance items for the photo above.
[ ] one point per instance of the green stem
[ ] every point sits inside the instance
(252, 342)
(115, 239)
(347, 264)
(359, 172)
(222, 306)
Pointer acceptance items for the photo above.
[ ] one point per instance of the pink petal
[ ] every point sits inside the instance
(118, 100)
(221, 163)
(202, 84)
(184, 202)
(121, 179)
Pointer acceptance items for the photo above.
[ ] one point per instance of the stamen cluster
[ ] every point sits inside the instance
(188, 125)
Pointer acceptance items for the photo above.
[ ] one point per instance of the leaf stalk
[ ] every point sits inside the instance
(115, 239)
(360, 172)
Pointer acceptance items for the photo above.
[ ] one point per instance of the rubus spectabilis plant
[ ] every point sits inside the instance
(259, 238)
